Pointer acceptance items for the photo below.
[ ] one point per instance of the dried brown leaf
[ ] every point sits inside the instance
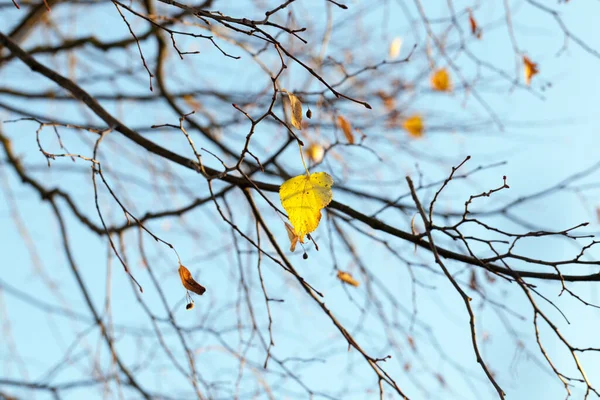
(475, 29)
(296, 106)
(346, 127)
(473, 284)
(188, 282)
(293, 236)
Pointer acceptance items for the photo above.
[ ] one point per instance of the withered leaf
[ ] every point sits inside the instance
(475, 29)
(296, 106)
(346, 127)
(530, 69)
(473, 280)
(188, 282)
(346, 277)
(293, 236)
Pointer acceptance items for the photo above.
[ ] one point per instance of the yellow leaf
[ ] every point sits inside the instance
(530, 69)
(296, 106)
(395, 48)
(347, 278)
(293, 237)
(303, 197)
(346, 127)
(414, 125)
(188, 282)
(315, 152)
(440, 80)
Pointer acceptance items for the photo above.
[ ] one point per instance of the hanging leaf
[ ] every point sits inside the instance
(440, 80)
(395, 48)
(188, 282)
(473, 284)
(475, 29)
(315, 152)
(388, 101)
(296, 106)
(303, 197)
(346, 127)
(530, 69)
(414, 126)
(346, 277)
(292, 236)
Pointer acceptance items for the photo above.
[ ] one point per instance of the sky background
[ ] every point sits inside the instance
(542, 141)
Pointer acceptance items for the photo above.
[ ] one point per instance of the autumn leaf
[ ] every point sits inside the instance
(303, 197)
(414, 126)
(296, 106)
(395, 48)
(475, 29)
(292, 236)
(473, 284)
(388, 101)
(188, 282)
(346, 277)
(530, 69)
(315, 152)
(346, 127)
(440, 80)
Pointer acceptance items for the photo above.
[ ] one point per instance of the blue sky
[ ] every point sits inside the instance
(542, 142)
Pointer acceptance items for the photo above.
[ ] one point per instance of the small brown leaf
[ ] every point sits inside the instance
(189, 306)
(475, 29)
(346, 127)
(530, 69)
(347, 278)
(188, 282)
(293, 236)
(308, 114)
(388, 101)
(296, 106)
(473, 280)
